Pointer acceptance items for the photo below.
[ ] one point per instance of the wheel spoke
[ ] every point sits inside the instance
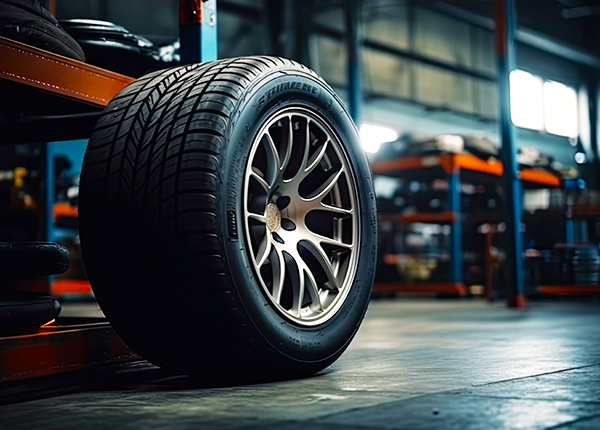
(278, 274)
(317, 159)
(261, 181)
(297, 280)
(312, 289)
(274, 155)
(288, 148)
(336, 210)
(306, 144)
(264, 249)
(257, 217)
(320, 239)
(326, 187)
(323, 260)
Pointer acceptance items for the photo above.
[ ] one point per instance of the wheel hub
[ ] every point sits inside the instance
(301, 208)
(273, 216)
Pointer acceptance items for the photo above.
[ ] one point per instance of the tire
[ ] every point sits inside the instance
(28, 22)
(23, 312)
(28, 260)
(169, 221)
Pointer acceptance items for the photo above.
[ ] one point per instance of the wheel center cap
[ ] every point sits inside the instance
(273, 217)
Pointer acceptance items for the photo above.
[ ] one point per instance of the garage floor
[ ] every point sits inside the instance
(415, 364)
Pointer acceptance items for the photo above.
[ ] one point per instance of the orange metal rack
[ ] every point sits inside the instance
(58, 75)
(569, 290)
(451, 162)
(454, 288)
(452, 165)
(424, 217)
(61, 347)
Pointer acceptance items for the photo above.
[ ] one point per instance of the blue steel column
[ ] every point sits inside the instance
(505, 58)
(456, 272)
(593, 99)
(569, 231)
(47, 161)
(353, 45)
(198, 30)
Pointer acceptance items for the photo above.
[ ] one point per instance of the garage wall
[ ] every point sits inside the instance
(412, 96)
(417, 96)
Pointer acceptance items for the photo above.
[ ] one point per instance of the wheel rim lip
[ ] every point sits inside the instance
(332, 309)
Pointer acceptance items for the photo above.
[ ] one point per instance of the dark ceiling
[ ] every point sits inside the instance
(573, 21)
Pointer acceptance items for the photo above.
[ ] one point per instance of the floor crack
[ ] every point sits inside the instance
(538, 375)
(563, 425)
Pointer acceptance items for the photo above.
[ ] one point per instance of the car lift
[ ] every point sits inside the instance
(81, 90)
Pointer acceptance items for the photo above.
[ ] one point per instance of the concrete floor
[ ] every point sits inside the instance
(415, 364)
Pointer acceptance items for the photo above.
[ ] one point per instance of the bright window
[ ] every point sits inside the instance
(560, 109)
(526, 100)
(373, 135)
(543, 105)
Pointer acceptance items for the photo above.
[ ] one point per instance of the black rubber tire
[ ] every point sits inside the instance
(27, 260)
(28, 22)
(160, 212)
(26, 311)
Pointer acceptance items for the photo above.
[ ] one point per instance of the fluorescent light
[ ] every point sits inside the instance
(526, 100)
(373, 135)
(560, 109)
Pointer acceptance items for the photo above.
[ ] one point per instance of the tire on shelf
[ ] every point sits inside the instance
(228, 221)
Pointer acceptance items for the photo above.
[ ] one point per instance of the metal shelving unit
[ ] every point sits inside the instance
(78, 91)
(454, 168)
(53, 98)
(580, 216)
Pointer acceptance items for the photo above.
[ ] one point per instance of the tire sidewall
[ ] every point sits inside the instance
(279, 90)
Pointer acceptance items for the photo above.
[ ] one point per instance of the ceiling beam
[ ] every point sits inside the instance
(580, 12)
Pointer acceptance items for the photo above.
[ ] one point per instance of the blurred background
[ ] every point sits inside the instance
(424, 73)
(420, 80)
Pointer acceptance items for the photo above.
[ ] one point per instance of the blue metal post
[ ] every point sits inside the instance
(505, 58)
(593, 99)
(47, 161)
(456, 272)
(569, 233)
(583, 232)
(198, 30)
(574, 185)
(352, 34)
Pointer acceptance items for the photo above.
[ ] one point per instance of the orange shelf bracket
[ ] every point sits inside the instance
(59, 75)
